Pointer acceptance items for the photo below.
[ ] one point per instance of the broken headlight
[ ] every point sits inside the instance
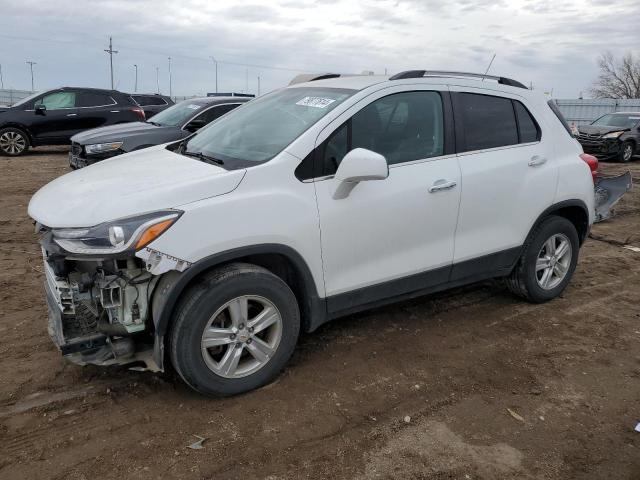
(117, 236)
(102, 147)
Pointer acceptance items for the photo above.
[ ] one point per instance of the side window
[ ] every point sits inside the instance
(215, 112)
(488, 121)
(93, 99)
(58, 100)
(527, 126)
(402, 127)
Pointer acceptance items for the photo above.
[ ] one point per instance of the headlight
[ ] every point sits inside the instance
(102, 147)
(612, 135)
(118, 236)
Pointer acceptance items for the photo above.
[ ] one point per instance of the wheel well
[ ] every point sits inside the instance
(576, 215)
(281, 266)
(21, 128)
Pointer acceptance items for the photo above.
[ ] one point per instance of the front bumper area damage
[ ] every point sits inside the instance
(608, 192)
(99, 308)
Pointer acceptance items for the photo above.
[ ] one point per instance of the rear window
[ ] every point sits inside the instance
(147, 100)
(92, 99)
(488, 121)
(527, 126)
(554, 108)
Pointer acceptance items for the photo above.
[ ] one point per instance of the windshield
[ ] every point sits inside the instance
(27, 99)
(259, 130)
(622, 121)
(178, 114)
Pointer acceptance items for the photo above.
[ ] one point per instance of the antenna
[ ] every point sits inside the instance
(111, 51)
(490, 63)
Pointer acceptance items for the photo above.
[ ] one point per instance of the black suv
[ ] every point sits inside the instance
(614, 135)
(152, 103)
(54, 116)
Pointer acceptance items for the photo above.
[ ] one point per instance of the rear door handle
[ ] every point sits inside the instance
(115, 111)
(537, 160)
(72, 115)
(440, 185)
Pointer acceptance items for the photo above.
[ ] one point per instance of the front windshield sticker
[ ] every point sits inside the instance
(318, 102)
(193, 107)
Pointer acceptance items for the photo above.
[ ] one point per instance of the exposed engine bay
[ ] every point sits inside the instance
(99, 307)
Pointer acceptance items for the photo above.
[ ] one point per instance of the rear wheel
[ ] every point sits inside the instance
(234, 330)
(626, 151)
(13, 142)
(548, 261)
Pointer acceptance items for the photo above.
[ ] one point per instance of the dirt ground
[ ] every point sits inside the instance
(471, 384)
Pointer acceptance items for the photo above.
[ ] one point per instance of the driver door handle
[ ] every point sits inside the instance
(72, 114)
(440, 185)
(537, 160)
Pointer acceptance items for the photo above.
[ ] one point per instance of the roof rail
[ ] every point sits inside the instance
(310, 77)
(438, 73)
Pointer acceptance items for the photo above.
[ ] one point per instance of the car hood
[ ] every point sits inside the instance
(130, 184)
(599, 129)
(120, 132)
(3, 108)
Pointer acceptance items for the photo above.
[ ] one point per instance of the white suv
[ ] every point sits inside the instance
(312, 202)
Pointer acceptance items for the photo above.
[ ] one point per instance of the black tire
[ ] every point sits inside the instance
(13, 142)
(627, 151)
(523, 280)
(203, 299)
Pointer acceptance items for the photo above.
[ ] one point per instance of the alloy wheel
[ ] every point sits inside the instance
(627, 152)
(241, 336)
(12, 143)
(553, 261)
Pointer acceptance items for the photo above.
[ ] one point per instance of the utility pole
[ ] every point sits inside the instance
(158, 79)
(246, 80)
(1, 79)
(216, 62)
(258, 85)
(170, 91)
(135, 88)
(111, 51)
(31, 64)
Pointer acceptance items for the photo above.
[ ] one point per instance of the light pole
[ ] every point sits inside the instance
(170, 91)
(1, 79)
(111, 51)
(135, 88)
(31, 64)
(258, 85)
(158, 79)
(216, 62)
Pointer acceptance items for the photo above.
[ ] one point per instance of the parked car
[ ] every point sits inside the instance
(612, 136)
(152, 103)
(54, 116)
(174, 123)
(307, 204)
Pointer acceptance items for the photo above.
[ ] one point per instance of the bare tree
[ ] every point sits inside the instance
(617, 79)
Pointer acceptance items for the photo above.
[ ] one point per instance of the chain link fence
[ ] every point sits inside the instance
(11, 96)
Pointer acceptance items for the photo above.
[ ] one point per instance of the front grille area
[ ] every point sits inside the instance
(76, 149)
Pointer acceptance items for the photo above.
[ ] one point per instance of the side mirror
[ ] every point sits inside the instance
(195, 125)
(359, 165)
(41, 109)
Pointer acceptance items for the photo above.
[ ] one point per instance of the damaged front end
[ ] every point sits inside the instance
(608, 192)
(98, 283)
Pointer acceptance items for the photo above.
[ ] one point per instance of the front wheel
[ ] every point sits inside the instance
(547, 262)
(13, 142)
(626, 151)
(234, 330)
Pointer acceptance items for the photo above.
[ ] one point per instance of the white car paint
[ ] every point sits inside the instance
(135, 183)
(384, 230)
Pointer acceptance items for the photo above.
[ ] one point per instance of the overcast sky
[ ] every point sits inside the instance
(551, 43)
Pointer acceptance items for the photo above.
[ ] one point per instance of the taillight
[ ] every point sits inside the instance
(593, 164)
(139, 112)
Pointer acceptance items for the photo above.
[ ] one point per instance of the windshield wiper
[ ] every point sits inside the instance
(201, 156)
(154, 123)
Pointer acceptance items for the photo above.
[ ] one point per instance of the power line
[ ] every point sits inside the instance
(31, 64)
(111, 51)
